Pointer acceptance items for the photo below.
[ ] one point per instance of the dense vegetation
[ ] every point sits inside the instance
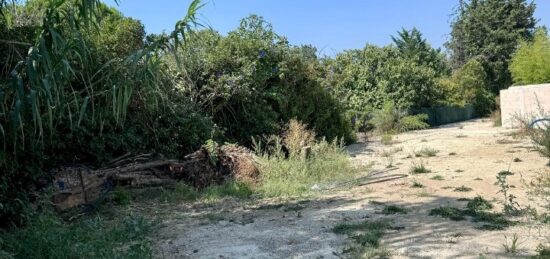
(80, 83)
(505, 24)
(530, 63)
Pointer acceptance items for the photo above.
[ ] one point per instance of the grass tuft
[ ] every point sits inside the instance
(394, 209)
(438, 178)
(448, 212)
(463, 189)
(416, 184)
(419, 169)
(426, 152)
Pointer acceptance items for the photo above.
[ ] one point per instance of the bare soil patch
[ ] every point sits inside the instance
(468, 154)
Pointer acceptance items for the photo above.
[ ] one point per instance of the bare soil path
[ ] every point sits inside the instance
(469, 154)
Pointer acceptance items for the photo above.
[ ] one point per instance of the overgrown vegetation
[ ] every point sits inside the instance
(309, 162)
(529, 64)
(80, 83)
(47, 236)
(390, 120)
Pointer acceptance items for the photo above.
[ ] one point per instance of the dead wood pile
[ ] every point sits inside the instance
(75, 186)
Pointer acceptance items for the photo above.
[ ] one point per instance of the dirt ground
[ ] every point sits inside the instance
(469, 153)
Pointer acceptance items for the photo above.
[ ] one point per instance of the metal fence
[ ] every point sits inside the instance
(448, 114)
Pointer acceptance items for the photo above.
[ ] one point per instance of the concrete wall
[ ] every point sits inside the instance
(523, 101)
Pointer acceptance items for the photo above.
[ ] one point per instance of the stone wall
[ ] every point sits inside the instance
(523, 101)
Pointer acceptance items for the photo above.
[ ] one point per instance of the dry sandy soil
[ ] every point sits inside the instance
(470, 154)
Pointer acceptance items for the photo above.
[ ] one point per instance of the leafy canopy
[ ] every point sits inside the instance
(490, 30)
(531, 63)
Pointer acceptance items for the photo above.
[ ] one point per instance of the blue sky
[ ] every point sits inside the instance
(331, 26)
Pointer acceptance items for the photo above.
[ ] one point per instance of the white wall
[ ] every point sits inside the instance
(523, 101)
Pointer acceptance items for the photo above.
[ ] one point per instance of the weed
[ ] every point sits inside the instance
(373, 202)
(419, 169)
(46, 236)
(416, 184)
(438, 178)
(230, 189)
(507, 141)
(424, 140)
(387, 139)
(461, 136)
(390, 152)
(517, 160)
(448, 212)
(478, 179)
(296, 137)
(463, 199)
(215, 217)
(478, 204)
(543, 252)
(426, 152)
(393, 209)
(496, 117)
(462, 189)
(452, 154)
(475, 209)
(423, 194)
(280, 176)
(511, 245)
(510, 205)
(181, 192)
(121, 196)
(505, 173)
(446, 187)
(459, 171)
(366, 236)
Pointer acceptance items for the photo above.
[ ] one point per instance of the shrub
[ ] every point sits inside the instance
(297, 136)
(390, 120)
(469, 85)
(386, 119)
(414, 122)
(530, 62)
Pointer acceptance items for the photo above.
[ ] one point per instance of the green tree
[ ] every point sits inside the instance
(531, 63)
(414, 47)
(252, 81)
(468, 85)
(491, 31)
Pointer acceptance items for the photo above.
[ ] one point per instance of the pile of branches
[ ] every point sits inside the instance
(79, 185)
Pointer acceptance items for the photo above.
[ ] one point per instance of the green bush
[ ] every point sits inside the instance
(252, 82)
(74, 100)
(469, 85)
(530, 62)
(389, 120)
(414, 122)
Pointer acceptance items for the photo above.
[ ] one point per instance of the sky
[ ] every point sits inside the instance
(329, 25)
